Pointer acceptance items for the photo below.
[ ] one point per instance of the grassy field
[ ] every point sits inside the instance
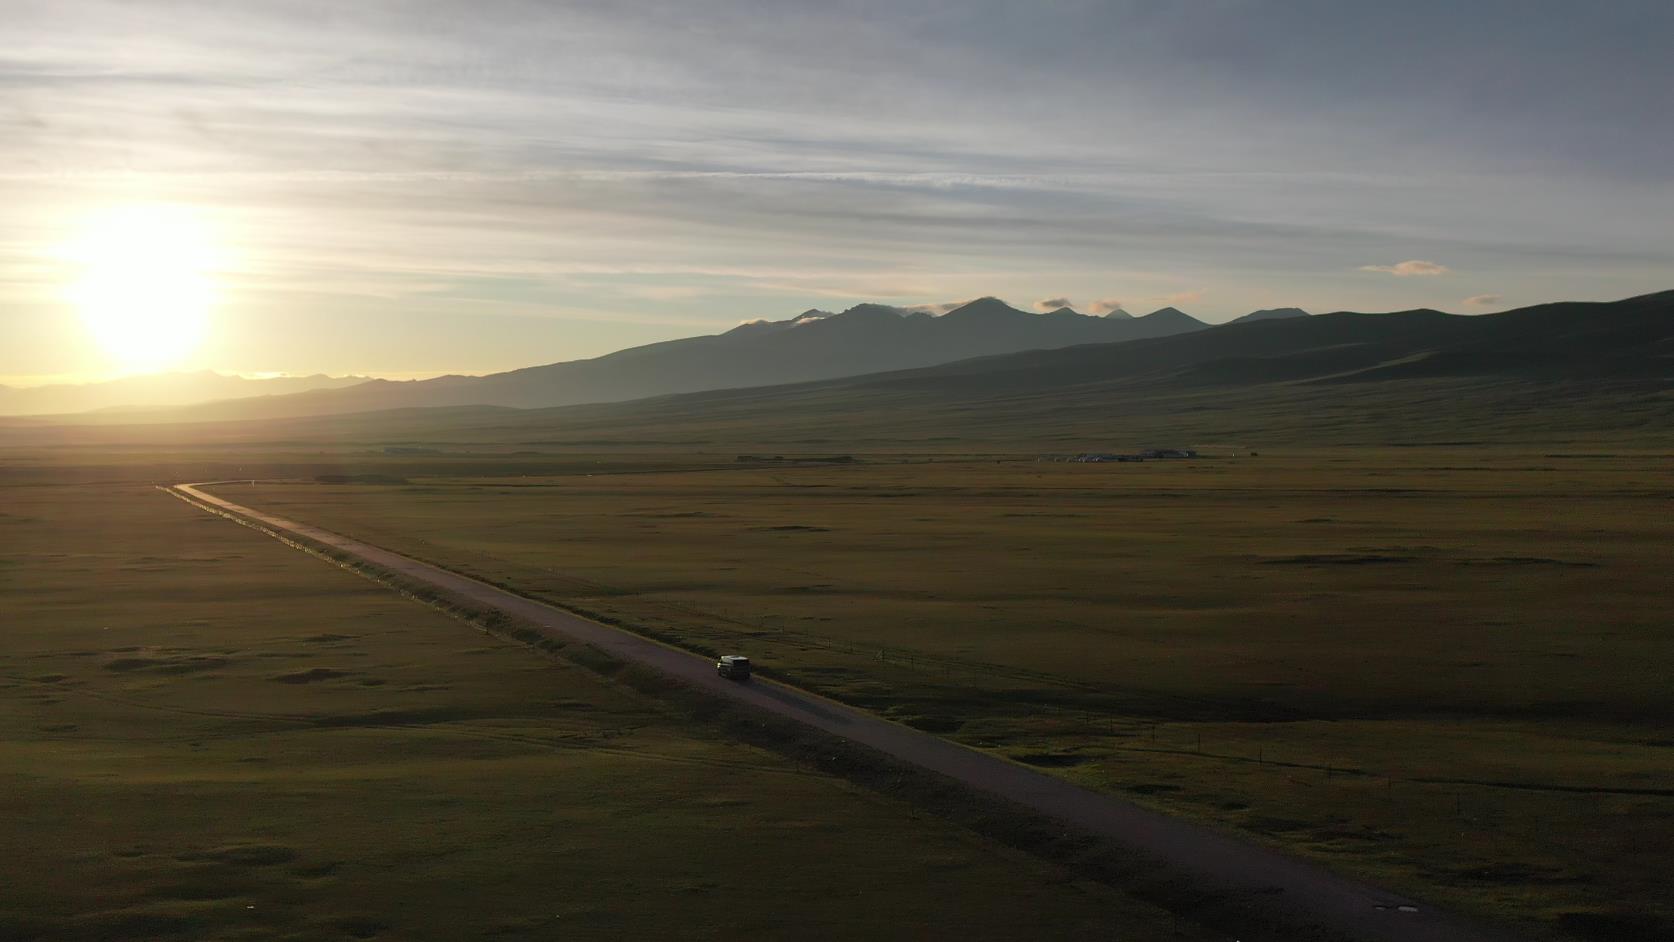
(1445, 669)
(205, 734)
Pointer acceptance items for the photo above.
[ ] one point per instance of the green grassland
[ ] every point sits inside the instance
(1445, 668)
(206, 734)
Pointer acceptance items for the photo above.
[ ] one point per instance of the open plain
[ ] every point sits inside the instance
(207, 734)
(1443, 669)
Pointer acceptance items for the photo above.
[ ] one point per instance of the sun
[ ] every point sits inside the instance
(144, 284)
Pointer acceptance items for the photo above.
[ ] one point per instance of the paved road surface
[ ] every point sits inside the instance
(1289, 887)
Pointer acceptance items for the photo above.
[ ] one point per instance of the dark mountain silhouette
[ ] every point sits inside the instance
(1534, 374)
(1119, 314)
(1270, 314)
(1164, 318)
(1629, 341)
(156, 390)
(814, 345)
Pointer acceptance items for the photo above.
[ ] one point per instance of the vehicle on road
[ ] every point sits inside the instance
(733, 667)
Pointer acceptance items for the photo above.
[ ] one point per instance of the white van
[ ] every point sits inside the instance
(733, 667)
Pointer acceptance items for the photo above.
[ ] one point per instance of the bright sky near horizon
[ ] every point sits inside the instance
(403, 188)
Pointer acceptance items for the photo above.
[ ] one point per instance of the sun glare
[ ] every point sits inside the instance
(144, 284)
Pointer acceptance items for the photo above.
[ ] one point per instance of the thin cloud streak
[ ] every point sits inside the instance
(1409, 269)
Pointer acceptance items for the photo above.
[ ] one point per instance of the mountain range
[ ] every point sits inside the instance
(814, 345)
(1572, 371)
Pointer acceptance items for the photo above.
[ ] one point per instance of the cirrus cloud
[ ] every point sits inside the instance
(1409, 268)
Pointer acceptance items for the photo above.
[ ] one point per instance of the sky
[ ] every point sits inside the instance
(409, 188)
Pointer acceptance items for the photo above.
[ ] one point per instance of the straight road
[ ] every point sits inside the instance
(1295, 891)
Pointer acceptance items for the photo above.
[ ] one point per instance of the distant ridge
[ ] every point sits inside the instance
(1544, 374)
(814, 345)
